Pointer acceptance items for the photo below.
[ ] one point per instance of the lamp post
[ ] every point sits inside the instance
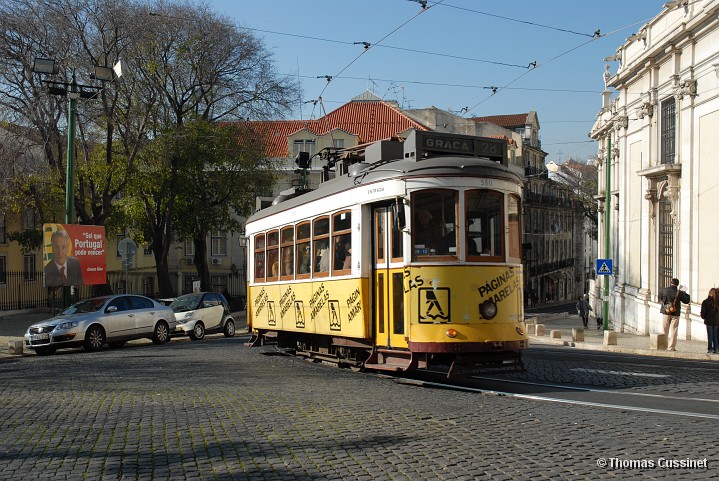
(72, 91)
(243, 245)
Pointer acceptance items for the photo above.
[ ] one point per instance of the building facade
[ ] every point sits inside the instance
(657, 152)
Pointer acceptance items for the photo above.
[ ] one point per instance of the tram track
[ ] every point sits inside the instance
(576, 395)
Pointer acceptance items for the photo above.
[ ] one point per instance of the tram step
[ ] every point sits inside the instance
(388, 367)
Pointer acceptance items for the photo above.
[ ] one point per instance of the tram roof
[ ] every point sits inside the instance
(431, 164)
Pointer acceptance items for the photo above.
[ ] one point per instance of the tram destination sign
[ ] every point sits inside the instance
(431, 144)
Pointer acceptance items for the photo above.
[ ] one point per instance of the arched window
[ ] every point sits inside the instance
(321, 246)
(341, 243)
(303, 254)
(260, 258)
(273, 255)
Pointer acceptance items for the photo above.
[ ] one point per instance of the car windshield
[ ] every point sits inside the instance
(187, 302)
(90, 305)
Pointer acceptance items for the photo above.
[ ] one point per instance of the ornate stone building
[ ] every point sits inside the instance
(658, 191)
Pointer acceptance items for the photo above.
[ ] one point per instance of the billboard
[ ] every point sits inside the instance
(74, 254)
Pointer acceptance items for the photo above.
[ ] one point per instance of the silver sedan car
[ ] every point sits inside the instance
(203, 312)
(110, 319)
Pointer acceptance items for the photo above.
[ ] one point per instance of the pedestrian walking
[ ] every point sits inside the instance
(583, 309)
(710, 314)
(671, 298)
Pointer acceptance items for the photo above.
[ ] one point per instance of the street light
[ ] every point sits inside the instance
(243, 245)
(72, 91)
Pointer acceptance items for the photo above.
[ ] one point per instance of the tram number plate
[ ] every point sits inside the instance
(422, 251)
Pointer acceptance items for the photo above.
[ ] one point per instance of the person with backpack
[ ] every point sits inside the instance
(671, 299)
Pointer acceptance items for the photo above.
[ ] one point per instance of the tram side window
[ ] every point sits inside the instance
(320, 244)
(288, 252)
(396, 240)
(303, 250)
(342, 241)
(260, 258)
(484, 223)
(273, 255)
(514, 224)
(434, 222)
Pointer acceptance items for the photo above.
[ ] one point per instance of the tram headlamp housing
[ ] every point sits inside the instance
(488, 309)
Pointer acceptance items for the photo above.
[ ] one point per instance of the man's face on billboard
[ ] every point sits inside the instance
(60, 249)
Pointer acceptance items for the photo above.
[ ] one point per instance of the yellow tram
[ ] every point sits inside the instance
(409, 258)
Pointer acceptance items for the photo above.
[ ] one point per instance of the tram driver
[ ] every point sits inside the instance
(427, 233)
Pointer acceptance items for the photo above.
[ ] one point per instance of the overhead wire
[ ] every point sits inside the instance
(539, 65)
(526, 22)
(368, 46)
(443, 84)
(423, 52)
(495, 89)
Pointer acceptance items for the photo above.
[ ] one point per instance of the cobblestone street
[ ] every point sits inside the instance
(216, 409)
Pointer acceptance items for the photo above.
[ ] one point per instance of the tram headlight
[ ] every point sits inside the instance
(488, 309)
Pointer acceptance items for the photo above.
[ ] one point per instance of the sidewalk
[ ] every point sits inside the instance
(594, 339)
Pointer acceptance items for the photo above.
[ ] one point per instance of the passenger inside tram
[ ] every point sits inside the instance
(322, 262)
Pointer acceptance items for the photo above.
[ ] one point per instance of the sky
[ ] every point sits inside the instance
(471, 57)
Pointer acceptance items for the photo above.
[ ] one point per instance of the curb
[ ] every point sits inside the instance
(589, 346)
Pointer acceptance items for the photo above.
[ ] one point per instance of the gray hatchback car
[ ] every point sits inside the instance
(110, 319)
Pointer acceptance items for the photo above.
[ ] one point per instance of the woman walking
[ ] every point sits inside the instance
(583, 309)
(710, 314)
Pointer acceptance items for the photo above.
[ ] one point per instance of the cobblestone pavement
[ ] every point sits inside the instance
(218, 410)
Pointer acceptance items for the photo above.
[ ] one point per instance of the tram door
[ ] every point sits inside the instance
(388, 277)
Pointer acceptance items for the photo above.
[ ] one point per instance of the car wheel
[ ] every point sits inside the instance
(44, 351)
(161, 334)
(229, 329)
(197, 332)
(94, 338)
(116, 344)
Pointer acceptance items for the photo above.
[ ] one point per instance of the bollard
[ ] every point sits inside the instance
(577, 334)
(15, 347)
(539, 329)
(610, 338)
(555, 334)
(658, 341)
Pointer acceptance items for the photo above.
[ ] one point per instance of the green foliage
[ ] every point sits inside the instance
(30, 240)
(221, 170)
(39, 190)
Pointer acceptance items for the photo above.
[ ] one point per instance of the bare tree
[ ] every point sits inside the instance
(582, 178)
(180, 62)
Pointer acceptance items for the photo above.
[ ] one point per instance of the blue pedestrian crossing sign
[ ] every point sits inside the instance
(604, 267)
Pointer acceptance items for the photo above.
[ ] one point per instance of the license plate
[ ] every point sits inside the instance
(40, 337)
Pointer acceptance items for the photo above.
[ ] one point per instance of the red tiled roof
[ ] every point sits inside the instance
(370, 121)
(506, 121)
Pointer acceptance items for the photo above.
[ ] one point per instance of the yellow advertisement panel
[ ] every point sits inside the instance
(454, 294)
(332, 307)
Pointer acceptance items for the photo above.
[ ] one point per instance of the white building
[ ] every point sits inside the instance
(659, 142)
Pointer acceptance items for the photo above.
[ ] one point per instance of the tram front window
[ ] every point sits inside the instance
(484, 223)
(433, 223)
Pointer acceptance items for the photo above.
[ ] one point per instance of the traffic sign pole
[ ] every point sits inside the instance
(607, 229)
